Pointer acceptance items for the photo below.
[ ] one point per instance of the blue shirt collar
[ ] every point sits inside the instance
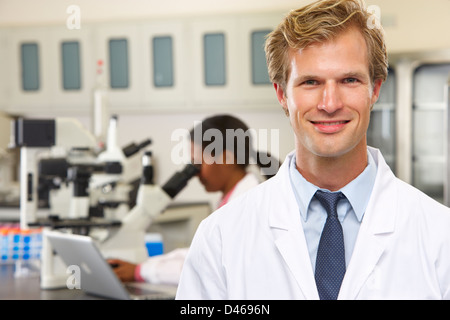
(357, 191)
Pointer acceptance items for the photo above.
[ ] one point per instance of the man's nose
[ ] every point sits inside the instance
(331, 99)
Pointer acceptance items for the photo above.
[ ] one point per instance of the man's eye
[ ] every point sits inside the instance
(310, 82)
(350, 80)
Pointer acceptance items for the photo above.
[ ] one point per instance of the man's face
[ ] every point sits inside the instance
(329, 95)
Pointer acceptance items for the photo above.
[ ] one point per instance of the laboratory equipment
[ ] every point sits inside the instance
(58, 161)
(17, 244)
(128, 242)
(100, 110)
(86, 173)
(9, 186)
(92, 274)
(74, 178)
(35, 136)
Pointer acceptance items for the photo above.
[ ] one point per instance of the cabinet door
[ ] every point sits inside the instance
(163, 66)
(119, 48)
(429, 128)
(74, 69)
(381, 132)
(255, 86)
(215, 62)
(30, 65)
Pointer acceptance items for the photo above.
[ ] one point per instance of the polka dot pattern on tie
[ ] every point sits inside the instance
(330, 260)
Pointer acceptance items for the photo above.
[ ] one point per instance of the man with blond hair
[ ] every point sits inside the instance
(334, 223)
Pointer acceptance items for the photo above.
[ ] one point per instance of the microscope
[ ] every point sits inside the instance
(127, 242)
(35, 138)
(102, 186)
(81, 175)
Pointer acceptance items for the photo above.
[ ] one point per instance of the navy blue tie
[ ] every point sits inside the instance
(330, 261)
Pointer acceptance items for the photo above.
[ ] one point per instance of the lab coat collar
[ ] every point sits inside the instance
(373, 236)
(280, 219)
(383, 202)
(357, 191)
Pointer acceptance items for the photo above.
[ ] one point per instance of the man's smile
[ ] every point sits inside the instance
(332, 126)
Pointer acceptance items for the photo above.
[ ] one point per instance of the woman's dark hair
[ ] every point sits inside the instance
(236, 138)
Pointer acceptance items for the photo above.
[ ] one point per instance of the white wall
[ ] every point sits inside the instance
(415, 25)
(410, 24)
(27, 12)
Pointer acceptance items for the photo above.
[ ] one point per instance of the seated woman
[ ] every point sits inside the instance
(223, 167)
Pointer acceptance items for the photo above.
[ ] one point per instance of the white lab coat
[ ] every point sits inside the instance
(255, 248)
(249, 181)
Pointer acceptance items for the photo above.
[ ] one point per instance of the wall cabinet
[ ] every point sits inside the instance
(214, 69)
(430, 128)
(118, 46)
(184, 64)
(256, 88)
(164, 63)
(30, 72)
(73, 69)
(381, 130)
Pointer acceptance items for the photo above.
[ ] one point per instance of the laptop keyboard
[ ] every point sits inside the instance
(144, 293)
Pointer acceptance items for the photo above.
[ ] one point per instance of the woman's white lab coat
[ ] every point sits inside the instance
(166, 268)
(255, 248)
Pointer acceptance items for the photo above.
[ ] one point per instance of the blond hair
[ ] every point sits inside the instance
(318, 22)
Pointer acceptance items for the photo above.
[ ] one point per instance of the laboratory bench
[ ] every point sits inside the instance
(28, 288)
(177, 227)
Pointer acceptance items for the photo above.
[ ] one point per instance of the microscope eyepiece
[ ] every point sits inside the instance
(179, 180)
(191, 170)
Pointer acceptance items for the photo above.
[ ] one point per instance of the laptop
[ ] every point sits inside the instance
(96, 276)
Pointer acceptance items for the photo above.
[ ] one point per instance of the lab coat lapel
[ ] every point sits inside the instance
(286, 227)
(375, 232)
(295, 255)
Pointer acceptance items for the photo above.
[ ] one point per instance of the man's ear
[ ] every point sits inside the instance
(281, 97)
(376, 90)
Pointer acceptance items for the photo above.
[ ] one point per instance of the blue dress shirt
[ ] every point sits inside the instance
(350, 211)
